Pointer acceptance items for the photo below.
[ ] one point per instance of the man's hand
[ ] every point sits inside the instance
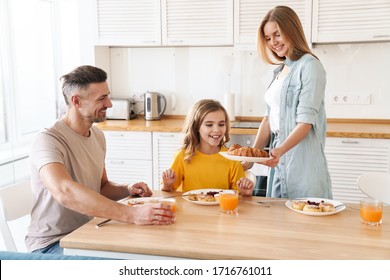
(139, 189)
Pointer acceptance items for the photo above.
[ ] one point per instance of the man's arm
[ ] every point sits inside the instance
(112, 190)
(79, 198)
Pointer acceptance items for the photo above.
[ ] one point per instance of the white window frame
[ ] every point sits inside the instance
(16, 146)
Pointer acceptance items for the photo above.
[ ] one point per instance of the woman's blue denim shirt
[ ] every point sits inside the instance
(303, 169)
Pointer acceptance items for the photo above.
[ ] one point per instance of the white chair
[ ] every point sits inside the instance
(16, 201)
(375, 185)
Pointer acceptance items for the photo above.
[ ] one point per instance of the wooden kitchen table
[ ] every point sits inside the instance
(202, 232)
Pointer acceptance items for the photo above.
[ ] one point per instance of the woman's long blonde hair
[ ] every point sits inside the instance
(290, 28)
(193, 122)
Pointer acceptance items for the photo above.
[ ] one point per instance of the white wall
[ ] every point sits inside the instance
(182, 74)
(187, 74)
(357, 69)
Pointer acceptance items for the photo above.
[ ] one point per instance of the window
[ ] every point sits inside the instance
(2, 115)
(32, 56)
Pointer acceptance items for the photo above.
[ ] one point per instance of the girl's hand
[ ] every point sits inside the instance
(246, 186)
(168, 177)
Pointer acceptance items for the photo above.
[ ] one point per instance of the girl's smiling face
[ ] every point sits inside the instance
(276, 42)
(211, 132)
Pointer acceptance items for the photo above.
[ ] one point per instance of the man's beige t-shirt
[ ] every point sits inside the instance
(83, 158)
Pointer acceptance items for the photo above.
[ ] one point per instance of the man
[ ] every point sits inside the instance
(68, 175)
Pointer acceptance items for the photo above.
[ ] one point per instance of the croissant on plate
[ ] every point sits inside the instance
(238, 150)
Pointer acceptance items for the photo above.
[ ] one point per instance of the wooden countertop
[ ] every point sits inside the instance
(335, 128)
(276, 233)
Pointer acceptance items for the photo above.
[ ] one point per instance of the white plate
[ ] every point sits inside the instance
(142, 200)
(337, 204)
(247, 159)
(185, 196)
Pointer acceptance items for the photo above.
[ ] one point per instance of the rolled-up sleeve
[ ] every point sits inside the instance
(312, 92)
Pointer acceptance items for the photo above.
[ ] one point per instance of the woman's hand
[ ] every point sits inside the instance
(246, 186)
(297, 135)
(275, 153)
(140, 189)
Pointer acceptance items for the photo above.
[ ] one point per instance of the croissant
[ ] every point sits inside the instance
(238, 150)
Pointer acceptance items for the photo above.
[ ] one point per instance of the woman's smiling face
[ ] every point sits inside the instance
(276, 42)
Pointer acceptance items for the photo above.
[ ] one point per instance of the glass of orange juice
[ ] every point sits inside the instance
(228, 202)
(170, 201)
(371, 211)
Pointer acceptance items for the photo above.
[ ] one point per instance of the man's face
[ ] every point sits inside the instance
(94, 102)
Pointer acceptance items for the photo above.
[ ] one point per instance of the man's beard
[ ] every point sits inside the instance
(98, 119)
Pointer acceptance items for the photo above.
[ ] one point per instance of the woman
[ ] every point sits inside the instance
(198, 165)
(295, 122)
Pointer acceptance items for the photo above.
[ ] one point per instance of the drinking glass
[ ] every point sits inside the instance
(371, 211)
(170, 201)
(228, 202)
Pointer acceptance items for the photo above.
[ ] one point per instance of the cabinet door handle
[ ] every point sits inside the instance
(117, 162)
(350, 142)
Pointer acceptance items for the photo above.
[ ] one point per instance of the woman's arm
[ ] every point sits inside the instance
(296, 136)
(262, 139)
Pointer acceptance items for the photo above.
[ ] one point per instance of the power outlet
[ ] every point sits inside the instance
(361, 99)
(137, 98)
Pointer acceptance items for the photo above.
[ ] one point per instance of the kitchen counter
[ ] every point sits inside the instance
(376, 129)
(257, 232)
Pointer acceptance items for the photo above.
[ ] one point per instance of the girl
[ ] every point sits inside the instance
(198, 165)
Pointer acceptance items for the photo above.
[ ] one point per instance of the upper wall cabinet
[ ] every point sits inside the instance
(336, 21)
(197, 22)
(164, 22)
(128, 22)
(248, 15)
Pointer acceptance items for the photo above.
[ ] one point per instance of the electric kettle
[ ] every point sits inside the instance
(154, 105)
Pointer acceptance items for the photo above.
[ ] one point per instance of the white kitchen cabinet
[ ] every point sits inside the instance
(197, 22)
(165, 145)
(128, 22)
(350, 21)
(348, 158)
(129, 157)
(248, 15)
(165, 22)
